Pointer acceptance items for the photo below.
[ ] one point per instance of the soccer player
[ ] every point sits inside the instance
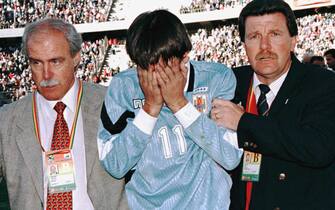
(155, 120)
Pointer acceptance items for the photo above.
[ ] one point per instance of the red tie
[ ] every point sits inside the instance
(60, 140)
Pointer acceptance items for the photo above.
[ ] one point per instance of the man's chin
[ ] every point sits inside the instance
(50, 97)
(266, 64)
(50, 94)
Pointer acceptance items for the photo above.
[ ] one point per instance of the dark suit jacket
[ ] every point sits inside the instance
(21, 155)
(297, 141)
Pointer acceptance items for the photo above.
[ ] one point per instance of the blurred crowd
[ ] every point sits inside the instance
(316, 34)
(210, 5)
(220, 44)
(103, 58)
(16, 13)
(15, 76)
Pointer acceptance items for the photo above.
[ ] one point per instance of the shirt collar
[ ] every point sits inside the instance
(274, 86)
(188, 66)
(69, 99)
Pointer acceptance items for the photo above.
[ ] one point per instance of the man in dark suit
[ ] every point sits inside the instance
(284, 117)
(28, 130)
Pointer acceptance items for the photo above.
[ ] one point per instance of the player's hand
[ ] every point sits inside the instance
(152, 94)
(172, 77)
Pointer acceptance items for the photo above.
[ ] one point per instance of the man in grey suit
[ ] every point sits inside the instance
(26, 129)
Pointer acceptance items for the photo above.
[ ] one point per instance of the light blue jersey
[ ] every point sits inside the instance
(175, 167)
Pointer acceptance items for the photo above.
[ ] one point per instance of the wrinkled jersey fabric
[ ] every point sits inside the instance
(175, 167)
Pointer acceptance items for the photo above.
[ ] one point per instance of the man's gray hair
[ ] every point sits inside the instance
(72, 36)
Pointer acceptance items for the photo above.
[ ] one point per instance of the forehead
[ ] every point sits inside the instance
(330, 56)
(48, 41)
(268, 21)
(319, 62)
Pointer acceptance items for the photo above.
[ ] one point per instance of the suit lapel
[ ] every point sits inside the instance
(289, 88)
(243, 77)
(29, 147)
(89, 112)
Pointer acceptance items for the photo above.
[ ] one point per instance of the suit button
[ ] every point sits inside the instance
(282, 176)
(253, 145)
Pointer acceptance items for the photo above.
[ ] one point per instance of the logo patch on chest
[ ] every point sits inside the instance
(200, 102)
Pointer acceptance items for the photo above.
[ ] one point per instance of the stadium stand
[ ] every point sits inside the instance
(103, 58)
(15, 14)
(210, 5)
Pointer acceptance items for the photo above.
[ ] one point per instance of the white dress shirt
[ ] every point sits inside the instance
(274, 88)
(46, 119)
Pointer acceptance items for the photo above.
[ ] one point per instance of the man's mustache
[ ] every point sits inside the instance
(49, 83)
(266, 55)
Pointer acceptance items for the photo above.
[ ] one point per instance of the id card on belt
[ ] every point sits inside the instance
(251, 166)
(60, 171)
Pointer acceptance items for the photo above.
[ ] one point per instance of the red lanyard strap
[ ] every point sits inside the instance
(251, 107)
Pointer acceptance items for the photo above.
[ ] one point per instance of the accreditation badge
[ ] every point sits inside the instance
(60, 171)
(251, 166)
(200, 102)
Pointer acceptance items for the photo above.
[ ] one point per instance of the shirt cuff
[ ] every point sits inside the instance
(145, 122)
(187, 115)
(231, 137)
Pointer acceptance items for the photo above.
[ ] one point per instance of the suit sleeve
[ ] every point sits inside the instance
(303, 132)
(120, 142)
(210, 137)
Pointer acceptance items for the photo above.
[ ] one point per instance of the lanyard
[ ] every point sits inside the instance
(251, 107)
(74, 124)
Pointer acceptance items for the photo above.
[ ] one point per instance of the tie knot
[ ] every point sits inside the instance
(59, 107)
(264, 88)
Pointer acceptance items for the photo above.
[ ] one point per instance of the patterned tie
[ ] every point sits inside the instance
(262, 104)
(60, 140)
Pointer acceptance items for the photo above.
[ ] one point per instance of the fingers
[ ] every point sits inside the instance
(174, 66)
(240, 107)
(218, 112)
(217, 102)
(154, 81)
(169, 71)
(214, 114)
(160, 80)
(162, 77)
(152, 77)
(142, 74)
(148, 79)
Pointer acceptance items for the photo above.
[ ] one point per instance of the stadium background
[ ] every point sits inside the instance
(212, 25)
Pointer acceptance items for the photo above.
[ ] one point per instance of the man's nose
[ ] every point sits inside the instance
(47, 72)
(265, 43)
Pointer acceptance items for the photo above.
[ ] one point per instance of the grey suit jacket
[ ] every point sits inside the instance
(21, 158)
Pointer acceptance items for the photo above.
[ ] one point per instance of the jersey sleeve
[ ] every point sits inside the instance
(120, 142)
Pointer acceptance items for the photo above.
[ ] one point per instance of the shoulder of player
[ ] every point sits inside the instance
(210, 67)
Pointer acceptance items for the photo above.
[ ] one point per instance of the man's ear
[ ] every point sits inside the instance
(293, 42)
(76, 60)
